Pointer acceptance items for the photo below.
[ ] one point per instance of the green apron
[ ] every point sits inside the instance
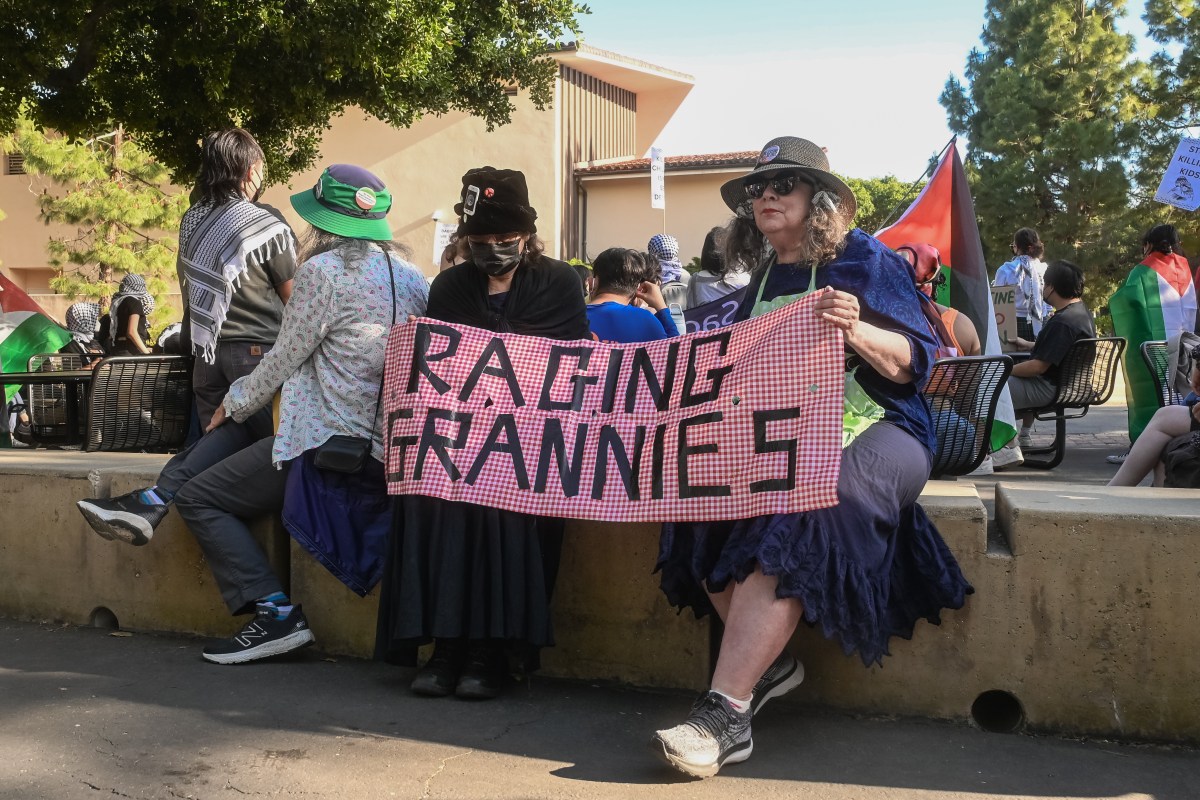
(859, 411)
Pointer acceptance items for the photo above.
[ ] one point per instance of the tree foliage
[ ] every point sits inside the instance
(120, 201)
(1051, 110)
(169, 72)
(879, 198)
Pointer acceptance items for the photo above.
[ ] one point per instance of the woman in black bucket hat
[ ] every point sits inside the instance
(477, 580)
(866, 569)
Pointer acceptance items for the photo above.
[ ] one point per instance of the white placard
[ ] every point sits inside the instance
(1180, 187)
(441, 239)
(658, 188)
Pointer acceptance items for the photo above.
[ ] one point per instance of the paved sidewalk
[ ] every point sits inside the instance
(90, 715)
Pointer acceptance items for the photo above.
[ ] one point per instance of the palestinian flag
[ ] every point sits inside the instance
(25, 331)
(943, 215)
(1156, 301)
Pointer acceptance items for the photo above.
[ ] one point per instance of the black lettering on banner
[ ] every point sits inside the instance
(421, 357)
(656, 462)
(764, 445)
(628, 467)
(608, 399)
(642, 365)
(495, 349)
(432, 441)
(554, 443)
(716, 375)
(506, 424)
(686, 489)
(579, 383)
(401, 443)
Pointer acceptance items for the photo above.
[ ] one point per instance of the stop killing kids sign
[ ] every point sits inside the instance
(1180, 185)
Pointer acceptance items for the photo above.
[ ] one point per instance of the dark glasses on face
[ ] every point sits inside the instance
(783, 185)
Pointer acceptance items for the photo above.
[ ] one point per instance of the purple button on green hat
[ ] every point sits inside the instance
(348, 201)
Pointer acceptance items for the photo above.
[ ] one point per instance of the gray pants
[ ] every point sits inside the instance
(1030, 393)
(211, 382)
(219, 484)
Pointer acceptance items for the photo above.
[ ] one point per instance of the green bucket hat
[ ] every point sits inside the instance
(349, 201)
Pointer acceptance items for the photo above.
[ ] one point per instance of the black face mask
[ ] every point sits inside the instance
(497, 259)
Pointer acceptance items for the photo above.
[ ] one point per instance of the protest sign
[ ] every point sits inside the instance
(1180, 185)
(726, 424)
(658, 174)
(441, 240)
(1004, 304)
(714, 314)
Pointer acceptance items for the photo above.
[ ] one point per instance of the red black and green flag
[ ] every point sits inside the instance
(943, 215)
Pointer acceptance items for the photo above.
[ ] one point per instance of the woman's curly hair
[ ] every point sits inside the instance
(824, 235)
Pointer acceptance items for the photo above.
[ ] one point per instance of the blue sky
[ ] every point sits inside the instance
(860, 77)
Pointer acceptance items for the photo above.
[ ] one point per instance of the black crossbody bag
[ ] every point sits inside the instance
(349, 454)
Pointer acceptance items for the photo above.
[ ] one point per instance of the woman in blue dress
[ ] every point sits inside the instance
(866, 569)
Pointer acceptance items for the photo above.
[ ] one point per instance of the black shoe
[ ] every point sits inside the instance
(440, 673)
(784, 674)
(125, 518)
(263, 637)
(714, 735)
(485, 673)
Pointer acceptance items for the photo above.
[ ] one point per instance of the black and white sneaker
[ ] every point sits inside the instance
(263, 637)
(125, 518)
(714, 735)
(784, 674)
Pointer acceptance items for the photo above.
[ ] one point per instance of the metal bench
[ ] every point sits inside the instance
(140, 403)
(1086, 378)
(1157, 356)
(963, 393)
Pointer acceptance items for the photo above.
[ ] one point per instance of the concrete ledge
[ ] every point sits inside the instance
(53, 567)
(1081, 613)
(1082, 610)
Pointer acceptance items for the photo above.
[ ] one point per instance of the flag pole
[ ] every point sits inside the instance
(908, 194)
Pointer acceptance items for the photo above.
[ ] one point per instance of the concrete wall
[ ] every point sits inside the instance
(619, 213)
(1082, 609)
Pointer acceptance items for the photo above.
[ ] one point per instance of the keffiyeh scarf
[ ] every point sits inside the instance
(216, 244)
(1030, 280)
(132, 286)
(666, 249)
(83, 320)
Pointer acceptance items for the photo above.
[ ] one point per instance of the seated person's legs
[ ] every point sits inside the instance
(216, 506)
(1146, 453)
(132, 517)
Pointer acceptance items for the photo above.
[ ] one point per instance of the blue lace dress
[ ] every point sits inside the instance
(868, 568)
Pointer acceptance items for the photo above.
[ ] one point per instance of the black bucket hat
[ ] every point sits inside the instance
(789, 154)
(494, 201)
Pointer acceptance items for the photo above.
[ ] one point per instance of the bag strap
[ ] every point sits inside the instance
(392, 280)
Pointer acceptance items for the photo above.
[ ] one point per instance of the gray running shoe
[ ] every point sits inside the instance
(784, 674)
(714, 735)
(264, 636)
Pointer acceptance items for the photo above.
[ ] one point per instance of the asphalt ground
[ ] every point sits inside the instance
(88, 714)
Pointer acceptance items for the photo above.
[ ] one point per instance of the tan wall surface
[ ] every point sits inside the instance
(619, 212)
(23, 235)
(423, 168)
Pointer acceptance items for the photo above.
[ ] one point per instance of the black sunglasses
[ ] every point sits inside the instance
(782, 184)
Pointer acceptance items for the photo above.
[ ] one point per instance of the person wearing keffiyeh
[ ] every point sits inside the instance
(83, 321)
(130, 312)
(236, 262)
(1026, 271)
(673, 277)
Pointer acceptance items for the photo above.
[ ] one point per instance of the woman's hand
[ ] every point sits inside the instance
(839, 309)
(219, 418)
(1196, 412)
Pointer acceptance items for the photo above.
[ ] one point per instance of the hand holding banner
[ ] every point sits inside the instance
(726, 424)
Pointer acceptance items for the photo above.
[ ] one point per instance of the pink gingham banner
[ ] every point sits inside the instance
(725, 424)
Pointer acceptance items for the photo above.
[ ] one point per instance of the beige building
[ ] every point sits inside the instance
(580, 157)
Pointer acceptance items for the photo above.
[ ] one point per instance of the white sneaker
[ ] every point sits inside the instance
(984, 468)
(1007, 457)
(1117, 458)
(1024, 439)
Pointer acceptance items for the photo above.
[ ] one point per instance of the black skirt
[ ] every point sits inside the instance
(458, 570)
